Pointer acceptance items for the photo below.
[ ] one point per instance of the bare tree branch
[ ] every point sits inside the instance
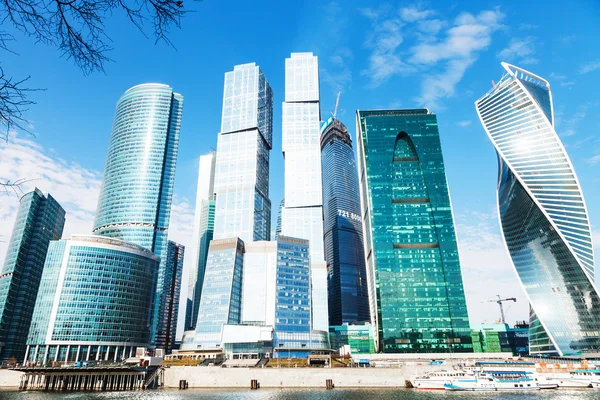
(77, 29)
(15, 187)
(14, 103)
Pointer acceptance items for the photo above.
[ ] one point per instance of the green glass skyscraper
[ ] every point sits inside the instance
(39, 220)
(416, 290)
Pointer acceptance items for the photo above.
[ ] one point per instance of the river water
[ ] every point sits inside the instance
(310, 394)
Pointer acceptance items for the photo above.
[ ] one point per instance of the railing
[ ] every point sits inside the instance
(154, 375)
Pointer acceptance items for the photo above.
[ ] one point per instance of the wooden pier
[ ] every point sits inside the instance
(93, 378)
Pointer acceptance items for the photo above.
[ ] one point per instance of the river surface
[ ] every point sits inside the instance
(310, 394)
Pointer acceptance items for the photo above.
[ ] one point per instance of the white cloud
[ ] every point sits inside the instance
(589, 67)
(384, 42)
(593, 160)
(411, 14)
(432, 26)
(524, 27)
(487, 270)
(441, 57)
(568, 132)
(464, 124)
(470, 35)
(75, 187)
(519, 51)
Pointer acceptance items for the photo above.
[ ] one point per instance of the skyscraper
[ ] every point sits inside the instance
(543, 215)
(416, 290)
(137, 186)
(221, 299)
(175, 254)
(39, 220)
(302, 215)
(204, 222)
(95, 301)
(348, 294)
(243, 208)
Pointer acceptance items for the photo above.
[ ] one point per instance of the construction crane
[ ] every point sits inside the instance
(500, 301)
(337, 102)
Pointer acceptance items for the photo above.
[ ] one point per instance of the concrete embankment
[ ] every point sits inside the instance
(10, 379)
(215, 377)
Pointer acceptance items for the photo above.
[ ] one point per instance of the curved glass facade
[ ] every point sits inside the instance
(137, 186)
(416, 290)
(135, 198)
(543, 215)
(94, 292)
(348, 296)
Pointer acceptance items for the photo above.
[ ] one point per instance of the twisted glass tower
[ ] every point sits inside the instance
(543, 216)
(137, 186)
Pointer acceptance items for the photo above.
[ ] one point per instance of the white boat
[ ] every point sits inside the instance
(495, 381)
(437, 379)
(581, 378)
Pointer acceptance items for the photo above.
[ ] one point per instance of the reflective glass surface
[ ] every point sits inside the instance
(348, 296)
(409, 231)
(243, 208)
(137, 186)
(39, 220)
(302, 214)
(97, 291)
(543, 215)
(167, 322)
(565, 302)
(220, 303)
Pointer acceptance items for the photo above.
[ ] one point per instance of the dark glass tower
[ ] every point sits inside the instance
(348, 297)
(175, 253)
(39, 220)
(412, 258)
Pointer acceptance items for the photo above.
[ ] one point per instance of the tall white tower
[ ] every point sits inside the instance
(243, 208)
(302, 215)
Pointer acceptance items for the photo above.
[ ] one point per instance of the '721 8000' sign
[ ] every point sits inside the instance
(346, 214)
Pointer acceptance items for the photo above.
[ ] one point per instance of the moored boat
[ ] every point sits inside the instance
(437, 379)
(495, 381)
(580, 378)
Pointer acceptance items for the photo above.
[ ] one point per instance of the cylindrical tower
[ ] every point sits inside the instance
(137, 186)
(348, 297)
(135, 198)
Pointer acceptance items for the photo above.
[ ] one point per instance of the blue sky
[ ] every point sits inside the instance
(393, 55)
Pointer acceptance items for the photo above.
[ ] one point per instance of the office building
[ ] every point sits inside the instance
(357, 339)
(302, 215)
(501, 338)
(221, 299)
(94, 302)
(348, 296)
(137, 186)
(204, 222)
(543, 216)
(417, 300)
(39, 220)
(241, 186)
(172, 290)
